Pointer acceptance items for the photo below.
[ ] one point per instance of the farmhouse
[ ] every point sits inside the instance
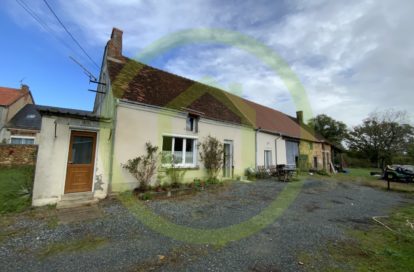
(81, 153)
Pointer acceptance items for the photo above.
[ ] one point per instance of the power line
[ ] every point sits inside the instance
(86, 71)
(43, 24)
(70, 34)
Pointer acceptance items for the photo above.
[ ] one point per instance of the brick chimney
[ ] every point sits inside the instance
(115, 44)
(25, 89)
(299, 116)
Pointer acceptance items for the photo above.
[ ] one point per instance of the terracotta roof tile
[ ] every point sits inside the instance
(9, 95)
(137, 82)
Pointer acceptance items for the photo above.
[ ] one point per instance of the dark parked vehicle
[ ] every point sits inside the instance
(399, 173)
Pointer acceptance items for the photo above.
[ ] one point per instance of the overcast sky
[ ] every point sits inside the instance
(352, 57)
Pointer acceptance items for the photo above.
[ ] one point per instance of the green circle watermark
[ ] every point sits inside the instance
(218, 236)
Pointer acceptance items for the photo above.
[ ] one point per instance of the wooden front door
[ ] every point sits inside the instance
(81, 160)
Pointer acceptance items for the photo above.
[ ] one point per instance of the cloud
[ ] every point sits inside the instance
(353, 57)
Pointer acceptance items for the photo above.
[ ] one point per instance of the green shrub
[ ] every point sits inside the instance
(212, 156)
(213, 181)
(250, 173)
(175, 174)
(144, 167)
(146, 196)
(198, 183)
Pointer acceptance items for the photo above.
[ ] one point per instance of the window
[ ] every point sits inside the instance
(192, 123)
(267, 158)
(22, 140)
(182, 150)
(82, 149)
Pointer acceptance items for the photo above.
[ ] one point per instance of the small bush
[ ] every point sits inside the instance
(213, 181)
(198, 183)
(176, 174)
(250, 173)
(212, 156)
(146, 196)
(144, 167)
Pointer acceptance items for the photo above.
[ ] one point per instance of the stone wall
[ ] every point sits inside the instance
(17, 154)
(322, 152)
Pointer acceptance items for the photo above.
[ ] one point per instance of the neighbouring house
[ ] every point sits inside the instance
(83, 152)
(19, 120)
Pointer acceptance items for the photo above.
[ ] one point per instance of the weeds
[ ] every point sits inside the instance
(16, 186)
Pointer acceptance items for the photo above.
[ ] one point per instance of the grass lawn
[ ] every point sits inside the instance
(16, 185)
(375, 249)
(363, 177)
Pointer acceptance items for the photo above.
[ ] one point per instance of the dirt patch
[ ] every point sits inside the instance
(357, 223)
(83, 213)
(311, 207)
(174, 259)
(87, 243)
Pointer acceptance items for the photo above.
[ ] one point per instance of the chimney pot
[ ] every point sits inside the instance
(115, 44)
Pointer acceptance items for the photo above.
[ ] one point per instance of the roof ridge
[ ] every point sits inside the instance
(16, 89)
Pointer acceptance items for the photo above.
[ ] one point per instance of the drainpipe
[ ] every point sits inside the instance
(280, 136)
(255, 144)
(111, 156)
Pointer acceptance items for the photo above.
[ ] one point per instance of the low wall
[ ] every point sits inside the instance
(17, 154)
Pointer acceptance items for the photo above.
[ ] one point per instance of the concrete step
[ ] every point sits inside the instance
(76, 214)
(75, 203)
(80, 196)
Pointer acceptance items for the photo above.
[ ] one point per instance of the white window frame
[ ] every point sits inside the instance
(185, 138)
(22, 137)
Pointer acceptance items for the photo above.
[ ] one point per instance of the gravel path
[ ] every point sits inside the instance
(119, 242)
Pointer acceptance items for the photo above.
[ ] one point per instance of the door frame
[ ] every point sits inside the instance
(82, 132)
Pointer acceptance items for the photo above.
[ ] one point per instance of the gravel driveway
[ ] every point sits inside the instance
(117, 241)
